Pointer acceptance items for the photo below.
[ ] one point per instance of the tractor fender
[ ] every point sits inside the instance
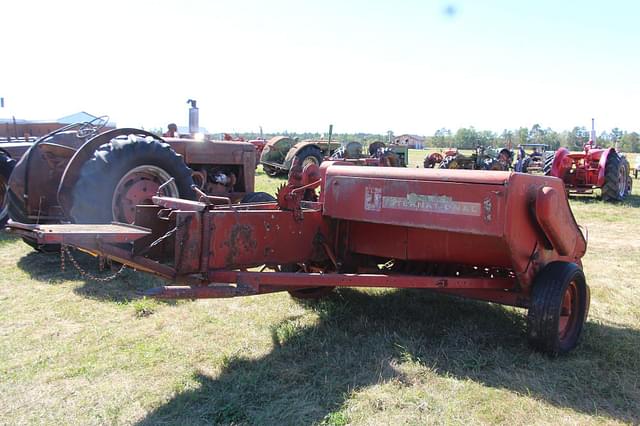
(560, 166)
(83, 154)
(602, 165)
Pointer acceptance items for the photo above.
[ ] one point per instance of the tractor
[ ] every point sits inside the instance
(594, 168)
(78, 174)
(481, 159)
(533, 161)
(278, 154)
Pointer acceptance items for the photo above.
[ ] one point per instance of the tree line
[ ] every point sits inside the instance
(574, 139)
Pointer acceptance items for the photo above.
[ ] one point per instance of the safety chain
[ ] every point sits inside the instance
(64, 250)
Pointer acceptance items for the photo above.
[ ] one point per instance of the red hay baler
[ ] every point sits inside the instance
(502, 237)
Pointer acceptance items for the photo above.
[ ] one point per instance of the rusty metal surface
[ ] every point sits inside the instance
(68, 234)
(255, 237)
(293, 280)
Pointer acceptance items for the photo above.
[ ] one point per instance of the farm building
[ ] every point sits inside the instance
(411, 141)
(13, 128)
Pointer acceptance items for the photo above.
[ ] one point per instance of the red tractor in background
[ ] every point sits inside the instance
(594, 168)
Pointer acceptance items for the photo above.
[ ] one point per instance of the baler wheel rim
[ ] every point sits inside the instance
(568, 311)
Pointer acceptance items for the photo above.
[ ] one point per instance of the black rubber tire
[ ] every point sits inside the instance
(448, 162)
(257, 197)
(525, 165)
(612, 190)
(491, 164)
(388, 158)
(93, 192)
(627, 174)
(548, 162)
(271, 171)
(309, 153)
(547, 295)
(310, 293)
(6, 167)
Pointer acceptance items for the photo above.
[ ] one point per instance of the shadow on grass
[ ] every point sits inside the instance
(46, 267)
(362, 340)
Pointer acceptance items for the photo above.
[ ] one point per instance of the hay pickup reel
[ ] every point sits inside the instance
(502, 237)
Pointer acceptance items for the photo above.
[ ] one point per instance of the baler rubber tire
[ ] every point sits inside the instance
(309, 152)
(257, 197)
(100, 176)
(548, 298)
(548, 162)
(612, 169)
(6, 167)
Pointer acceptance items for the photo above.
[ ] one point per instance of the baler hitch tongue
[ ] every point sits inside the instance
(79, 234)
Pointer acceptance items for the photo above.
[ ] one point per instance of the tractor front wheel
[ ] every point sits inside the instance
(615, 178)
(558, 309)
(6, 167)
(308, 155)
(548, 162)
(126, 173)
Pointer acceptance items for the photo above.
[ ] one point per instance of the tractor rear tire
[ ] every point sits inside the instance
(123, 174)
(548, 162)
(257, 197)
(309, 154)
(6, 167)
(615, 180)
(558, 309)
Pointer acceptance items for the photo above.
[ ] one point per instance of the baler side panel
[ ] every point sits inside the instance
(416, 244)
(252, 238)
(446, 206)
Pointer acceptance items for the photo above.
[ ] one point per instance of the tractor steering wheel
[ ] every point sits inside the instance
(92, 127)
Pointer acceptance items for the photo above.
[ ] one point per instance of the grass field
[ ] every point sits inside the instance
(78, 352)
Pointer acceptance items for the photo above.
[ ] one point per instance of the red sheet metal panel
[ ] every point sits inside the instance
(256, 237)
(430, 204)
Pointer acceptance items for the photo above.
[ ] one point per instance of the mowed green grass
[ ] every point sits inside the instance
(79, 352)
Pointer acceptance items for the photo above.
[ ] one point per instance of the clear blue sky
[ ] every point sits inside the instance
(370, 66)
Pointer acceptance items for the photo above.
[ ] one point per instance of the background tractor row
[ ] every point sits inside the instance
(481, 159)
(280, 152)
